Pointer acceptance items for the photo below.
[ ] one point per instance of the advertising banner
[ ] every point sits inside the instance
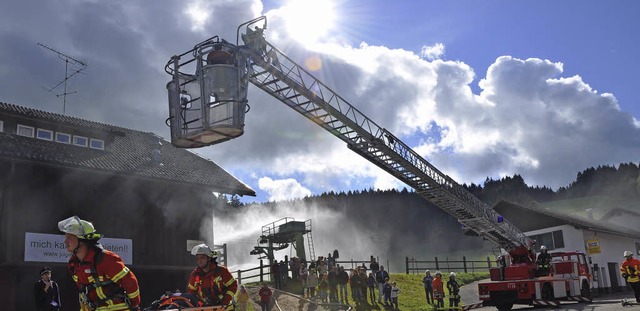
(50, 248)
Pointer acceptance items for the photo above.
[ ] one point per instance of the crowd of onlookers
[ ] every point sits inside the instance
(326, 280)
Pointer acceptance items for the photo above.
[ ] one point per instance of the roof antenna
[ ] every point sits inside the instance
(76, 66)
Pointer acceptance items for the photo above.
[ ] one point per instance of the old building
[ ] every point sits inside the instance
(146, 195)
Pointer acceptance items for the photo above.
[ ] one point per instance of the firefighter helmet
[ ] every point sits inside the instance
(452, 274)
(203, 249)
(627, 253)
(438, 272)
(81, 228)
(543, 248)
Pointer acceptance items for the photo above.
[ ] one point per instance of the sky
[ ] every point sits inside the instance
(544, 89)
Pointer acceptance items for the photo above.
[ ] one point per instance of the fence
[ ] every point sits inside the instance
(263, 271)
(414, 266)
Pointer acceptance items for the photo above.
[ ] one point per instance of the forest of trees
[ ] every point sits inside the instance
(622, 182)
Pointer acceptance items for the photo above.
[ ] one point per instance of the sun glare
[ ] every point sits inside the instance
(308, 21)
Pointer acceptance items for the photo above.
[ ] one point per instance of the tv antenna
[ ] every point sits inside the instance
(77, 66)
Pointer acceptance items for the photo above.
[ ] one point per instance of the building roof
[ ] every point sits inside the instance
(617, 211)
(528, 218)
(129, 153)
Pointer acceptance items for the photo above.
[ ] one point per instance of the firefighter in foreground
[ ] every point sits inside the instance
(212, 282)
(629, 271)
(103, 281)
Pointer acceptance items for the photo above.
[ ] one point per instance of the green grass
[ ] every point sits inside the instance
(412, 297)
(412, 291)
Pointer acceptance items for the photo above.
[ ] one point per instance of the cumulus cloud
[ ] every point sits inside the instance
(283, 189)
(432, 52)
(527, 118)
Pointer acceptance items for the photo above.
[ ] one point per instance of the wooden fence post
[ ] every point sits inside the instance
(488, 262)
(406, 264)
(239, 277)
(261, 275)
(437, 266)
(464, 263)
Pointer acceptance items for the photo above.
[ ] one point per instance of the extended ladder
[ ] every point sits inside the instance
(281, 77)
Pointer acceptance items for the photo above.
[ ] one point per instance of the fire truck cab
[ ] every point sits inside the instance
(569, 278)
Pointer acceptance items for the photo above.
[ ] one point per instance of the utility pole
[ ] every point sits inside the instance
(77, 67)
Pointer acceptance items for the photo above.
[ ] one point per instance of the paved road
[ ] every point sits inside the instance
(469, 294)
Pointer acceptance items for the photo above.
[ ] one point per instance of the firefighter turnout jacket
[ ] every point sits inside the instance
(629, 270)
(104, 282)
(216, 287)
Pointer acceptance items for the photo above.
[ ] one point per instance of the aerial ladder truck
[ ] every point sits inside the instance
(207, 105)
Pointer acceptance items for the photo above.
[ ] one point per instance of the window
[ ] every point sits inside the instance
(24, 130)
(80, 141)
(97, 144)
(551, 240)
(63, 138)
(1, 126)
(44, 134)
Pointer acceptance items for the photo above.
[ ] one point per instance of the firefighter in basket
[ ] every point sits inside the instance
(213, 283)
(103, 281)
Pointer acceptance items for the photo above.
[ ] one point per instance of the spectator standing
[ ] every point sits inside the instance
(330, 261)
(374, 266)
(438, 290)
(343, 280)
(427, 280)
(387, 292)
(242, 298)
(363, 284)
(303, 274)
(322, 288)
(312, 282)
(332, 280)
(395, 292)
(47, 292)
(371, 284)
(265, 297)
(381, 275)
(295, 267)
(275, 274)
(356, 289)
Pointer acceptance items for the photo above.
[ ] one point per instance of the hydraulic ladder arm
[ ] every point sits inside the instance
(275, 73)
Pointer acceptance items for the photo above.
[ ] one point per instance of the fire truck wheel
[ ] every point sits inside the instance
(505, 307)
(585, 291)
(547, 292)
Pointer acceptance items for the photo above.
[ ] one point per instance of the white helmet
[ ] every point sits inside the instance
(627, 254)
(81, 228)
(543, 248)
(452, 274)
(203, 249)
(438, 272)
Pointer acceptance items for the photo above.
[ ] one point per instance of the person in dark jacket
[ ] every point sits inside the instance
(47, 292)
(332, 280)
(343, 280)
(454, 290)
(427, 280)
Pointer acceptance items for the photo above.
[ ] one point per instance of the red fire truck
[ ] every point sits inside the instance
(521, 282)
